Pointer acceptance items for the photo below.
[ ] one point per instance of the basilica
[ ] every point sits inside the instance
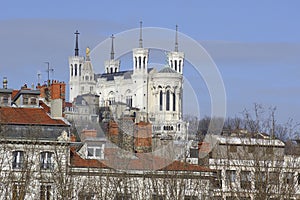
(151, 95)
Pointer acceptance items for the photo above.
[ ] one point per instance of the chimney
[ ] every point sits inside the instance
(56, 108)
(4, 82)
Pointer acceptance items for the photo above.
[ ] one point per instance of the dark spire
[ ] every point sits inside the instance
(176, 39)
(112, 53)
(76, 44)
(141, 38)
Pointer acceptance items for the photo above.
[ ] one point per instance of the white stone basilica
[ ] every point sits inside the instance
(154, 95)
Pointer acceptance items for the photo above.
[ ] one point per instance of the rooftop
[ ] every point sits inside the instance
(27, 116)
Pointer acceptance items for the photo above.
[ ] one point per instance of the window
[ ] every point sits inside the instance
(260, 180)
(111, 100)
(289, 178)
(79, 69)
(95, 152)
(230, 176)
(25, 100)
(245, 179)
(157, 197)
(251, 149)
(269, 150)
(274, 178)
(86, 196)
(45, 192)
(18, 191)
(217, 183)
(129, 101)
(75, 69)
(120, 196)
(71, 70)
(46, 160)
(189, 197)
(174, 102)
(33, 101)
(5, 99)
(140, 62)
(168, 100)
(18, 159)
(160, 100)
(233, 148)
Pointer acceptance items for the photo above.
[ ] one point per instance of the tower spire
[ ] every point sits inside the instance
(76, 43)
(141, 38)
(112, 53)
(176, 39)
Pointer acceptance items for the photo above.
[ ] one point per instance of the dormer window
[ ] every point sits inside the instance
(25, 101)
(5, 99)
(96, 152)
(32, 101)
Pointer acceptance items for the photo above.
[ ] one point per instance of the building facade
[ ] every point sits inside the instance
(154, 95)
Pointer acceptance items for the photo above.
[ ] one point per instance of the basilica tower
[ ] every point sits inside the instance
(140, 77)
(112, 65)
(75, 65)
(176, 58)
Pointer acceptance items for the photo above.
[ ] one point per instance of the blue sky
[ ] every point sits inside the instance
(255, 44)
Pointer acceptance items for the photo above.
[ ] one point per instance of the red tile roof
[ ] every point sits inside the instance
(140, 162)
(30, 116)
(78, 161)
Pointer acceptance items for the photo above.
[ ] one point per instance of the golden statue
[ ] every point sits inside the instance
(87, 52)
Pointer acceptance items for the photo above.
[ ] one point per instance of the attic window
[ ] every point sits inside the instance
(96, 152)
(33, 101)
(4, 99)
(25, 100)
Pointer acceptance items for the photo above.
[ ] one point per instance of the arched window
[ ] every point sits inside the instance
(160, 100)
(116, 69)
(174, 101)
(111, 70)
(135, 60)
(144, 62)
(180, 64)
(140, 62)
(168, 100)
(79, 69)
(72, 70)
(172, 64)
(175, 65)
(75, 69)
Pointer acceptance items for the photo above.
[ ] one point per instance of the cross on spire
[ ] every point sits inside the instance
(76, 43)
(141, 38)
(176, 39)
(112, 53)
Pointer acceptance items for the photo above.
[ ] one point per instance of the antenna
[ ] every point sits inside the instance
(39, 77)
(48, 72)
